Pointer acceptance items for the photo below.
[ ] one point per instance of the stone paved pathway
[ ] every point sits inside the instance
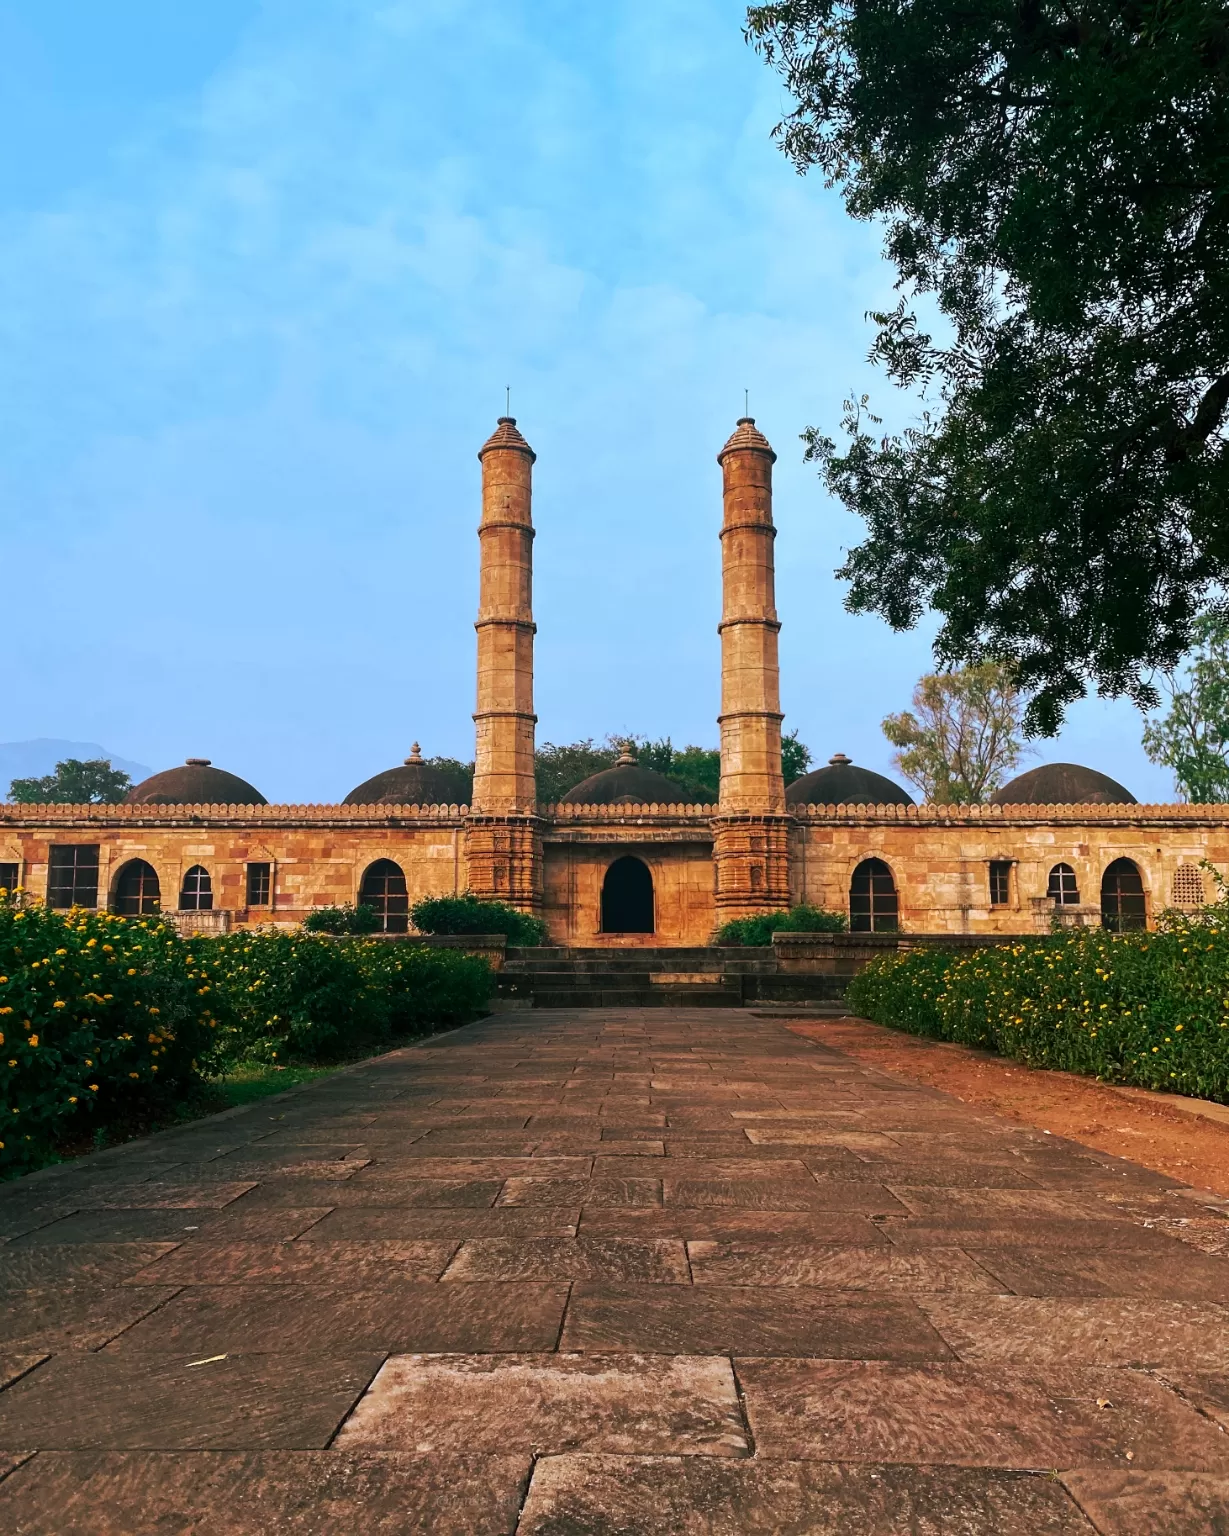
(610, 1272)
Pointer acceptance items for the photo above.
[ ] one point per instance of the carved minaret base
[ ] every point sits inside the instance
(503, 845)
(751, 843)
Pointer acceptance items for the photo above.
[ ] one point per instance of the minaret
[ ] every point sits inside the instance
(751, 847)
(503, 852)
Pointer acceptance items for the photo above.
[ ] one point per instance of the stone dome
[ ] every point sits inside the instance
(1062, 784)
(627, 783)
(198, 782)
(842, 783)
(413, 783)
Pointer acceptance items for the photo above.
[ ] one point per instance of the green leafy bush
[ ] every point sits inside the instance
(103, 1020)
(470, 914)
(758, 930)
(344, 919)
(1149, 1009)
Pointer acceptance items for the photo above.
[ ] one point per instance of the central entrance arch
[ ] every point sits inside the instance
(627, 897)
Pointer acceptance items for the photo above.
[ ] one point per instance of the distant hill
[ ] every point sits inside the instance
(33, 759)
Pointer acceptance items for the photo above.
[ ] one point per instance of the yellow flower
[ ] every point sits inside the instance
(134, 1074)
(72, 1098)
(131, 971)
(59, 1004)
(6, 1010)
(34, 1040)
(93, 1087)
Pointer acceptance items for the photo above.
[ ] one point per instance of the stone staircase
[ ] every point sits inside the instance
(557, 977)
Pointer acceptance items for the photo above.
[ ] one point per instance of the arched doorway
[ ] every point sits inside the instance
(1123, 909)
(627, 897)
(136, 891)
(196, 893)
(873, 907)
(383, 888)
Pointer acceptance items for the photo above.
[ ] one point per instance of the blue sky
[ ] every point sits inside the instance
(266, 267)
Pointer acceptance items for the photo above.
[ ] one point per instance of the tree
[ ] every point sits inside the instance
(963, 736)
(458, 779)
(694, 769)
(74, 782)
(1192, 738)
(1056, 175)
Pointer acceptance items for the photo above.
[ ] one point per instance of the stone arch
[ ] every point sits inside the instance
(627, 897)
(137, 892)
(383, 887)
(1123, 903)
(874, 906)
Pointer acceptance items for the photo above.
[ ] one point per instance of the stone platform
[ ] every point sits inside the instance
(621, 1271)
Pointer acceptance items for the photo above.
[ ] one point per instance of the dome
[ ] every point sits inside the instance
(627, 783)
(841, 783)
(198, 782)
(1062, 784)
(413, 783)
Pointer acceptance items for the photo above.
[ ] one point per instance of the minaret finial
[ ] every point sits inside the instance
(507, 399)
(746, 402)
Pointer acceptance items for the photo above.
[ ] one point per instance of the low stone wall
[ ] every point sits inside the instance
(845, 954)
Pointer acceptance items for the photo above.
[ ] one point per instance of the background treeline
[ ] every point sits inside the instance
(1149, 1009)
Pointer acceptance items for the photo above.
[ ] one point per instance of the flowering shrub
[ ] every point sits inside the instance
(758, 930)
(1149, 1009)
(102, 1018)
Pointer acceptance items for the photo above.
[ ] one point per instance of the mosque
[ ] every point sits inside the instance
(623, 859)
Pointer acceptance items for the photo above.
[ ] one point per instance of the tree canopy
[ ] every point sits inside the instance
(1192, 737)
(1056, 176)
(695, 769)
(962, 737)
(74, 782)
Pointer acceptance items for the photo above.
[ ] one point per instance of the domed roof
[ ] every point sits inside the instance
(198, 782)
(841, 783)
(1062, 784)
(413, 783)
(627, 783)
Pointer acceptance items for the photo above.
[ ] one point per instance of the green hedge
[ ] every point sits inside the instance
(110, 1022)
(758, 930)
(1149, 1009)
(471, 914)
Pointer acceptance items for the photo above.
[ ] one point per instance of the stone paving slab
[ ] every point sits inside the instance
(612, 1271)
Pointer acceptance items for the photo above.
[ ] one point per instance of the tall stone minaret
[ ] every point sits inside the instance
(503, 851)
(751, 842)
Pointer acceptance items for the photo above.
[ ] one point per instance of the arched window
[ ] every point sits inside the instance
(627, 897)
(873, 907)
(383, 888)
(196, 893)
(136, 890)
(1122, 898)
(1188, 888)
(1063, 890)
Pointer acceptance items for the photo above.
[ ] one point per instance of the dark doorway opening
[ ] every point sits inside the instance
(136, 890)
(627, 897)
(873, 907)
(384, 889)
(1123, 906)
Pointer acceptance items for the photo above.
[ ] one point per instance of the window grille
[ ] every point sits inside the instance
(1188, 886)
(1000, 882)
(10, 876)
(383, 888)
(1063, 890)
(72, 875)
(196, 894)
(260, 884)
(136, 891)
(873, 907)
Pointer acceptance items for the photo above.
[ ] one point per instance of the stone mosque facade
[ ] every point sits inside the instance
(622, 861)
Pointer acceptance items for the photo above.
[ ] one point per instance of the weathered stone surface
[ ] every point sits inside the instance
(290, 1401)
(73, 1316)
(731, 1224)
(1180, 1275)
(1042, 1331)
(972, 1416)
(622, 1404)
(29, 1266)
(1126, 1503)
(313, 1493)
(705, 1319)
(400, 1315)
(14, 1367)
(709, 1496)
(881, 1268)
(324, 1263)
(596, 1192)
(371, 1223)
(660, 1260)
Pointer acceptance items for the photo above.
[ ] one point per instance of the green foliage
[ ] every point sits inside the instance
(759, 930)
(795, 758)
(287, 996)
(102, 1019)
(74, 782)
(1149, 1009)
(470, 914)
(697, 770)
(962, 737)
(560, 768)
(458, 779)
(344, 919)
(1058, 180)
(1192, 738)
